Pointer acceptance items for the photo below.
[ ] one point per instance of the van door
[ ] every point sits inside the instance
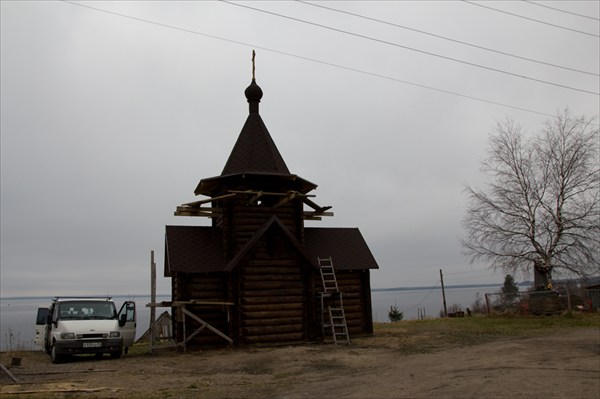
(127, 323)
(41, 324)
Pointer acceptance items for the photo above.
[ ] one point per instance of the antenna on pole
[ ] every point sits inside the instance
(253, 66)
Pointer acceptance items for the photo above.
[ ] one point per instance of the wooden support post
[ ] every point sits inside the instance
(152, 299)
(204, 325)
(443, 294)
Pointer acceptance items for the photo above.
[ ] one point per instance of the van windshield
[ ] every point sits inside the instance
(86, 310)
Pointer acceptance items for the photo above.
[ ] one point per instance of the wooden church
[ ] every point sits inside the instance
(257, 274)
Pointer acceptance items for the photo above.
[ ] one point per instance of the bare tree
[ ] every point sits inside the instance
(541, 205)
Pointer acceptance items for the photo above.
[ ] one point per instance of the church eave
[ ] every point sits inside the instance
(215, 185)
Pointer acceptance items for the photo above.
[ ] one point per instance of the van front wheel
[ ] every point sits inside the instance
(55, 357)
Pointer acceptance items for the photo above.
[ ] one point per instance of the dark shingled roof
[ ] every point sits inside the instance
(197, 249)
(345, 245)
(193, 249)
(255, 151)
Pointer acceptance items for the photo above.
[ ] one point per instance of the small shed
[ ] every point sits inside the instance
(163, 328)
(257, 255)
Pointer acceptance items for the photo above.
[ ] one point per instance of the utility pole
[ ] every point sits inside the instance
(152, 299)
(443, 294)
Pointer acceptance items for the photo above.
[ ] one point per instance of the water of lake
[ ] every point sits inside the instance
(17, 315)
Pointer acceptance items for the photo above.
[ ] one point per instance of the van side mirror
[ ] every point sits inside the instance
(49, 319)
(122, 320)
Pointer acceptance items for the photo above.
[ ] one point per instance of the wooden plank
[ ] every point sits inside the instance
(204, 324)
(8, 373)
(188, 211)
(268, 330)
(267, 299)
(291, 263)
(152, 300)
(248, 277)
(316, 215)
(56, 390)
(272, 193)
(271, 285)
(275, 307)
(70, 371)
(286, 199)
(204, 201)
(202, 285)
(272, 268)
(174, 304)
(272, 314)
(286, 337)
(273, 292)
(208, 296)
(271, 322)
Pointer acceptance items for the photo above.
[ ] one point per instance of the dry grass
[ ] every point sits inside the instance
(425, 336)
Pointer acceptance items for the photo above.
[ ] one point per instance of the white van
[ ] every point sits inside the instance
(80, 325)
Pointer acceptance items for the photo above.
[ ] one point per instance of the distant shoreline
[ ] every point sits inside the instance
(431, 287)
(422, 288)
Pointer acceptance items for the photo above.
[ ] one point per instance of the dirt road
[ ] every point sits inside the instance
(561, 365)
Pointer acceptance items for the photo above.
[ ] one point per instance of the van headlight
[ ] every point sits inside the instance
(114, 334)
(67, 335)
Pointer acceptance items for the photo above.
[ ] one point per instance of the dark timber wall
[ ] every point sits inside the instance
(272, 301)
(203, 287)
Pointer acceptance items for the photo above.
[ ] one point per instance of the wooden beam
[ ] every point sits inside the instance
(309, 215)
(8, 373)
(174, 304)
(271, 193)
(204, 201)
(152, 299)
(254, 199)
(317, 208)
(204, 325)
(190, 211)
(283, 201)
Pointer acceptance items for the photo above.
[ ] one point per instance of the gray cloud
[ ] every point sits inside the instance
(109, 123)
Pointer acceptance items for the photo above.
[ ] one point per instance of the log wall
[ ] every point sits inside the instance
(203, 287)
(272, 298)
(244, 221)
(355, 288)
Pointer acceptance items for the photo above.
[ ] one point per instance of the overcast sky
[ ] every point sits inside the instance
(110, 118)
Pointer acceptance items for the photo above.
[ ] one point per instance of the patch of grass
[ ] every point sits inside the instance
(423, 336)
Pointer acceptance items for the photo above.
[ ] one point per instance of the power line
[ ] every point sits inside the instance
(531, 19)
(454, 279)
(412, 48)
(487, 270)
(309, 59)
(447, 38)
(424, 298)
(560, 10)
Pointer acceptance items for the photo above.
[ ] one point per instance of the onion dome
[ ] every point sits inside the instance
(253, 95)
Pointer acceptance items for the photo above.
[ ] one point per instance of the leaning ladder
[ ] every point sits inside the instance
(337, 317)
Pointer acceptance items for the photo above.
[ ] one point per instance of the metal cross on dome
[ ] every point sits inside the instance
(253, 67)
